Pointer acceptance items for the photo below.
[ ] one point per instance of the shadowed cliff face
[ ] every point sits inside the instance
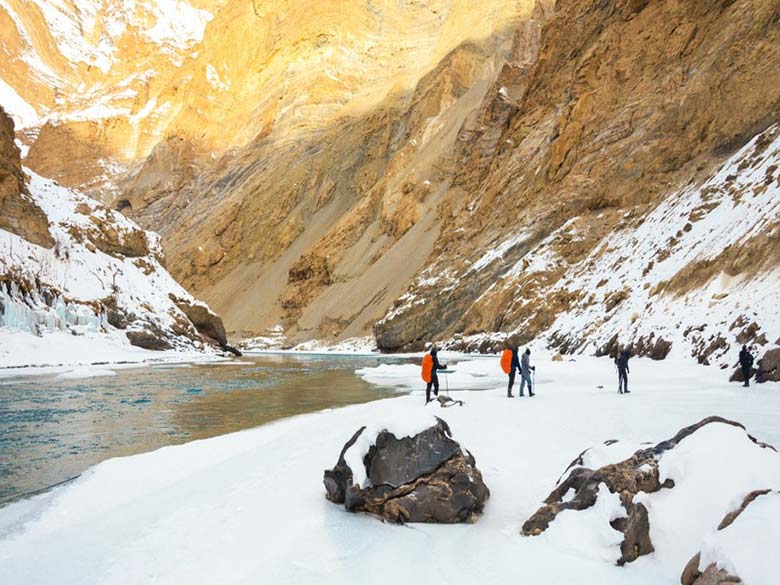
(18, 212)
(628, 103)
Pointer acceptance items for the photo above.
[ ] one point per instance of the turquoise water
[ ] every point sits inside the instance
(53, 429)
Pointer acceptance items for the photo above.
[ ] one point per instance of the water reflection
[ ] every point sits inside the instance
(52, 429)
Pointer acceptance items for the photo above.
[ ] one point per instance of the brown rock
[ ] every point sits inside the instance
(207, 323)
(19, 214)
(712, 575)
(150, 337)
(769, 366)
(108, 238)
(729, 518)
(736, 375)
(638, 473)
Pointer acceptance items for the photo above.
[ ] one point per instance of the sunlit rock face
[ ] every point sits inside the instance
(111, 78)
(629, 197)
(260, 136)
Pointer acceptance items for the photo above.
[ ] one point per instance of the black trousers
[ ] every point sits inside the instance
(622, 381)
(511, 382)
(746, 375)
(435, 383)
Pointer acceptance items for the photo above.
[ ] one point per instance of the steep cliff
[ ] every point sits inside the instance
(605, 209)
(581, 173)
(321, 233)
(108, 80)
(18, 212)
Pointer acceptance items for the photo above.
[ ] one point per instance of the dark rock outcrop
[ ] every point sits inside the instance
(149, 337)
(208, 323)
(712, 575)
(769, 366)
(19, 214)
(638, 473)
(736, 375)
(425, 478)
(108, 239)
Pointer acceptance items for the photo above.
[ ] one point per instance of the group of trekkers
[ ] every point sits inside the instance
(512, 363)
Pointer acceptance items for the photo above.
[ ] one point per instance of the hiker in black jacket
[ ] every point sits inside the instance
(513, 368)
(746, 363)
(434, 378)
(621, 361)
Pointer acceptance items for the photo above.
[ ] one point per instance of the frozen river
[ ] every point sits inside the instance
(53, 427)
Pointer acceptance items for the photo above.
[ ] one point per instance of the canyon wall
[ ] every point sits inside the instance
(581, 173)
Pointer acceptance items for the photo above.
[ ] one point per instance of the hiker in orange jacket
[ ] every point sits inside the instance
(429, 373)
(513, 367)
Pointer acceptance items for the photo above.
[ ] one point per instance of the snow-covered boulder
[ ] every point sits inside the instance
(726, 556)
(408, 472)
(663, 498)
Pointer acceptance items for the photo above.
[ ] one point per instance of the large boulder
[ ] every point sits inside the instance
(632, 479)
(769, 366)
(736, 375)
(426, 477)
(207, 322)
(147, 335)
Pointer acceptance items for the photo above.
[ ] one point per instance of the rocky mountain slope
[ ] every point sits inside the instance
(615, 204)
(300, 133)
(69, 264)
(581, 173)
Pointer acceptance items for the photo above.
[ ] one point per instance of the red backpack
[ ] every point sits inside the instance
(427, 368)
(506, 361)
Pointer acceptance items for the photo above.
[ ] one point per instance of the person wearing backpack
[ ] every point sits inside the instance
(746, 363)
(430, 364)
(621, 361)
(510, 363)
(525, 373)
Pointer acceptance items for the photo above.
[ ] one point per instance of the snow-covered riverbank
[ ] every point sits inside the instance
(250, 508)
(22, 353)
